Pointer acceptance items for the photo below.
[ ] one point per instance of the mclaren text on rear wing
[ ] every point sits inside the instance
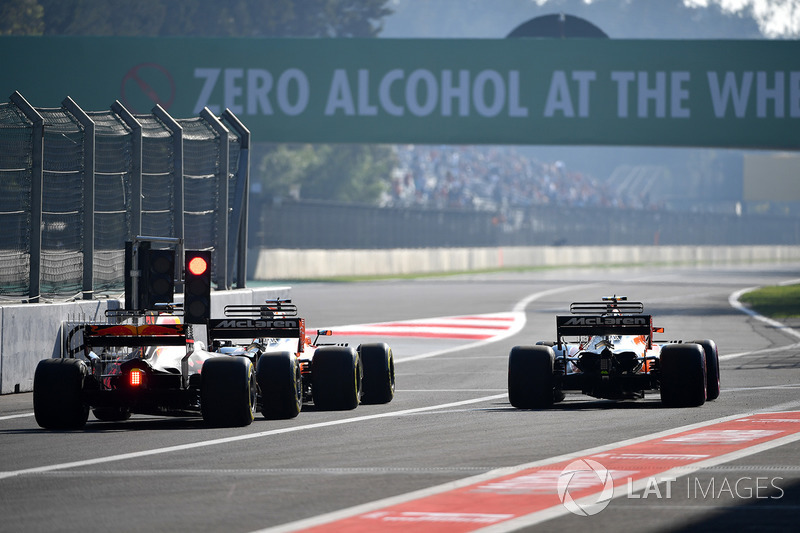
(254, 328)
(580, 325)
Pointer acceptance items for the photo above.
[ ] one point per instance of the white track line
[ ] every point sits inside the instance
(239, 438)
(9, 417)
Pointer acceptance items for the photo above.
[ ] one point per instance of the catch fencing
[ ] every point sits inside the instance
(324, 225)
(76, 185)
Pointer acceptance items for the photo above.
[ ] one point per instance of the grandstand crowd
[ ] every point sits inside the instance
(488, 177)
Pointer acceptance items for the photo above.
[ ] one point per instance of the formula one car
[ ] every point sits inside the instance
(606, 350)
(258, 358)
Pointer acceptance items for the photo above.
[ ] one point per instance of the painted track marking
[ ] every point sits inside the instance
(510, 498)
(9, 417)
(467, 327)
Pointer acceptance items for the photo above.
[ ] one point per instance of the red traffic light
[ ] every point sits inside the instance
(197, 287)
(197, 266)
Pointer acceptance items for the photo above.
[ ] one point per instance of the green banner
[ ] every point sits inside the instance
(743, 94)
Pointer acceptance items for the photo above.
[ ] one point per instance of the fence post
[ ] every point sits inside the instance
(136, 174)
(222, 205)
(177, 151)
(37, 186)
(241, 201)
(88, 194)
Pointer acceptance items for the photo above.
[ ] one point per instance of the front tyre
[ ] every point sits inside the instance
(280, 382)
(531, 383)
(228, 391)
(378, 383)
(58, 394)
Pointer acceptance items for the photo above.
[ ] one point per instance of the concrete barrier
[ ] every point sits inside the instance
(319, 264)
(32, 332)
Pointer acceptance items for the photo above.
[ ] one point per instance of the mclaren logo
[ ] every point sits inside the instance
(607, 321)
(258, 324)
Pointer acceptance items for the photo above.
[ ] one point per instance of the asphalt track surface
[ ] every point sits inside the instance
(450, 421)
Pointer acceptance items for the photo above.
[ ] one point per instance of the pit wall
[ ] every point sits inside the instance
(31, 332)
(279, 264)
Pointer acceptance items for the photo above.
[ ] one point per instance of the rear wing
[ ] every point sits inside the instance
(591, 325)
(581, 325)
(129, 335)
(124, 328)
(277, 319)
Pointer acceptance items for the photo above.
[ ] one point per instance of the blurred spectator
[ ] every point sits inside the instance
(490, 177)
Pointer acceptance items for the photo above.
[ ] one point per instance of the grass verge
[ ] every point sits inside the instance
(776, 301)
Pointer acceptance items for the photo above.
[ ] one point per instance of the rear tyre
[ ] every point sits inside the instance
(683, 375)
(58, 394)
(335, 378)
(228, 391)
(111, 414)
(531, 383)
(278, 376)
(378, 382)
(712, 368)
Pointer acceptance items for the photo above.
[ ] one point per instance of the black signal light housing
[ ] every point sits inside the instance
(197, 287)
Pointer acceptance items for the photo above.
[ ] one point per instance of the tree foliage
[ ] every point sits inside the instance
(21, 17)
(346, 173)
(214, 18)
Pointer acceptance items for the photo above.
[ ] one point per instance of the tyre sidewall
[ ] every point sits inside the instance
(278, 376)
(712, 368)
(379, 378)
(228, 391)
(336, 375)
(531, 381)
(58, 394)
(682, 371)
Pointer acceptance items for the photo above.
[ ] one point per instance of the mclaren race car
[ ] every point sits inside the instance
(606, 350)
(256, 358)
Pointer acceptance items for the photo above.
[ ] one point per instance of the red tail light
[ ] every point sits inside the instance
(136, 378)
